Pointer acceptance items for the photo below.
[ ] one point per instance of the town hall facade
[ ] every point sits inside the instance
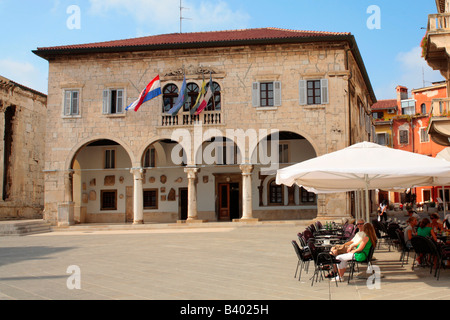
(280, 97)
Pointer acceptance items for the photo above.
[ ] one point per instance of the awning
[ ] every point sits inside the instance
(439, 131)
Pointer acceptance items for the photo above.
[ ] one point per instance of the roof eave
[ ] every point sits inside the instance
(49, 53)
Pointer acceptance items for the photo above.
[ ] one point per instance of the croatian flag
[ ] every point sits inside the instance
(152, 90)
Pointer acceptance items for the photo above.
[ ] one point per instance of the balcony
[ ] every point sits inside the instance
(439, 126)
(436, 45)
(186, 119)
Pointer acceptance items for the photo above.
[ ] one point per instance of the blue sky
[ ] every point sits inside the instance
(391, 53)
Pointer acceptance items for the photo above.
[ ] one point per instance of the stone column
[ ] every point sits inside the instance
(66, 208)
(138, 196)
(192, 174)
(247, 207)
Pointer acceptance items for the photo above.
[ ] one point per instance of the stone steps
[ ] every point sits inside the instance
(24, 227)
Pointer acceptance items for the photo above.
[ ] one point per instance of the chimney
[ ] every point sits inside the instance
(402, 93)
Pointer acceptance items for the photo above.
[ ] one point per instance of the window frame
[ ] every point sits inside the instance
(108, 101)
(169, 96)
(279, 193)
(256, 95)
(107, 163)
(156, 204)
(400, 136)
(323, 89)
(102, 199)
(68, 111)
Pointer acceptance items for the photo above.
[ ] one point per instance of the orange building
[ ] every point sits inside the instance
(409, 131)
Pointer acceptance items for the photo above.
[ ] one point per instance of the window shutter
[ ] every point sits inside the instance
(75, 102)
(302, 96)
(277, 93)
(106, 104)
(255, 94)
(324, 89)
(67, 102)
(120, 99)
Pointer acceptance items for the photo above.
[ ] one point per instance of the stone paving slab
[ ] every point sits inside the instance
(230, 262)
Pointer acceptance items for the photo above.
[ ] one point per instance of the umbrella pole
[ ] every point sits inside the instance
(367, 198)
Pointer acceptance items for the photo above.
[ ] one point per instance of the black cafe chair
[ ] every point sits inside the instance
(353, 262)
(303, 259)
(402, 246)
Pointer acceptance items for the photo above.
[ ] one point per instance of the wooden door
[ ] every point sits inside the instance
(224, 202)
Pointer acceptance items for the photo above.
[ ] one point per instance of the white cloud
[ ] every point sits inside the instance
(413, 72)
(164, 16)
(24, 73)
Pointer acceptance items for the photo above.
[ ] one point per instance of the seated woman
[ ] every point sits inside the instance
(425, 229)
(410, 231)
(360, 253)
(436, 223)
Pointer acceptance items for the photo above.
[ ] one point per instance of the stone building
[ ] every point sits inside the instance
(22, 119)
(298, 93)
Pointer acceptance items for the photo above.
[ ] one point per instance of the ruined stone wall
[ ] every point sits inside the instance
(22, 132)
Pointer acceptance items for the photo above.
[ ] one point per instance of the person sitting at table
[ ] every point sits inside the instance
(446, 223)
(435, 223)
(414, 214)
(425, 229)
(360, 253)
(410, 231)
(349, 245)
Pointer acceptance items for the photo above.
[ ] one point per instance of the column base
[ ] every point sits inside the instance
(246, 220)
(192, 221)
(138, 222)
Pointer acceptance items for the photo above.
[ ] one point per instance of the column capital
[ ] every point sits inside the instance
(192, 172)
(246, 169)
(137, 172)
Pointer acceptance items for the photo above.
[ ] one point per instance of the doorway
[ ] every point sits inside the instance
(229, 201)
(183, 203)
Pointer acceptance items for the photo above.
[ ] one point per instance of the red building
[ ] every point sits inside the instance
(409, 130)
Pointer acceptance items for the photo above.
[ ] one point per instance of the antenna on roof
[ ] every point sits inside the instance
(181, 16)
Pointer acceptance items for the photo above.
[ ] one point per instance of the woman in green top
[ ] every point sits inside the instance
(360, 253)
(425, 229)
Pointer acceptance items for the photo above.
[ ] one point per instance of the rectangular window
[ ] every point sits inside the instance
(151, 199)
(313, 92)
(150, 158)
(71, 102)
(409, 107)
(113, 101)
(424, 137)
(108, 200)
(266, 94)
(283, 153)
(382, 139)
(307, 197)
(403, 136)
(275, 194)
(110, 159)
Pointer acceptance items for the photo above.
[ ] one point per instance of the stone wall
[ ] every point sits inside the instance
(326, 127)
(22, 133)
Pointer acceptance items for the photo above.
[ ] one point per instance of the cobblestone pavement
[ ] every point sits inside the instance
(214, 261)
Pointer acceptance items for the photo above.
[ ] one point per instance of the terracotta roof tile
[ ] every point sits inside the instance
(200, 37)
(385, 104)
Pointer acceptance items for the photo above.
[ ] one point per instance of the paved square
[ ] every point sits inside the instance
(215, 261)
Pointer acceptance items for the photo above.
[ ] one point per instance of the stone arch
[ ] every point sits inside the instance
(79, 146)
